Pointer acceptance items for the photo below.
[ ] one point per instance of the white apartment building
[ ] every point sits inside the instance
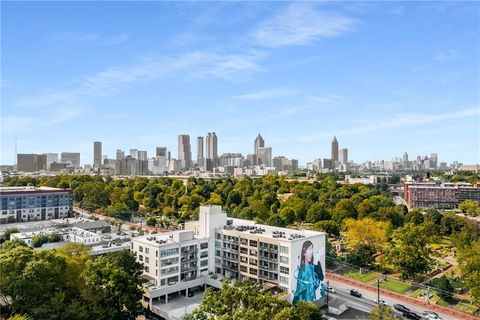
(217, 247)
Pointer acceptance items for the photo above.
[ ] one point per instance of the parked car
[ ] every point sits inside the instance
(401, 308)
(431, 315)
(381, 301)
(355, 293)
(330, 289)
(412, 315)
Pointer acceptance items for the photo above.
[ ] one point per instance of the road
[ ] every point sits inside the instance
(366, 302)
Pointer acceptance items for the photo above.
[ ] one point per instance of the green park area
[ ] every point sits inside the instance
(395, 286)
(362, 277)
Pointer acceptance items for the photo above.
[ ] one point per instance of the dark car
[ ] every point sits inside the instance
(355, 293)
(401, 308)
(412, 315)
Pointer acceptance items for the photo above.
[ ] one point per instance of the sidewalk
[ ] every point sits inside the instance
(406, 299)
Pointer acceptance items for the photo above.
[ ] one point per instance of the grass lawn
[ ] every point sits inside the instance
(434, 299)
(468, 308)
(362, 277)
(395, 286)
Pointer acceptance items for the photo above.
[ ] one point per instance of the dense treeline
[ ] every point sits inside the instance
(68, 283)
(324, 202)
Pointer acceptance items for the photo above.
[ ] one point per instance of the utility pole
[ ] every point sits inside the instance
(378, 291)
(328, 288)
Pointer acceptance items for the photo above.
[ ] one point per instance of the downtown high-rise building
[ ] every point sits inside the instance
(120, 154)
(200, 154)
(31, 162)
(184, 151)
(72, 158)
(97, 154)
(212, 148)
(343, 156)
(258, 143)
(264, 156)
(161, 152)
(52, 157)
(334, 150)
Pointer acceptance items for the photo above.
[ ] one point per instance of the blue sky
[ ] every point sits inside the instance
(383, 77)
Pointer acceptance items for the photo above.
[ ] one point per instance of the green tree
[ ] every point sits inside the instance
(409, 250)
(244, 300)
(9, 231)
(119, 210)
(363, 255)
(113, 287)
(444, 287)
(470, 207)
(469, 261)
(382, 312)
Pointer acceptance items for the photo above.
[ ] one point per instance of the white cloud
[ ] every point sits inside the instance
(301, 23)
(394, 122)
(199, 64)
(73, 36)
(448, 55)
(266, 94)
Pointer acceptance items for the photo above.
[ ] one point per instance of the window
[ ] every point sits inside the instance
(147, 250)
(156, 253)
(283, 249)
(147, 269)
(243, 250)
(253, 243)
(243, 241)
(204, 254)
(169, 262)
(284, 270)
(283, 280)
(244, 259)
(253, 253)
(203, 263)
(243, 268)
(204, 245)
(147, 260)
(253, 271)
(140, 257)
(140, 248)
(168, 271)
(283, 259)
(168, 252)
(253, 262)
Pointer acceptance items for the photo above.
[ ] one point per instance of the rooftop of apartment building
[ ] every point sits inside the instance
(30, 189)
(241, 226)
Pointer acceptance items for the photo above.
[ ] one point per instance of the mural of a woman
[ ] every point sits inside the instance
(309, 276)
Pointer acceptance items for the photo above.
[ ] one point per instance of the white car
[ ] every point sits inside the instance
(330, 289)
(431, 315)
(381, 301)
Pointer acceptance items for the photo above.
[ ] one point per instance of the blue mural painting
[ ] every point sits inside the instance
(310, 285)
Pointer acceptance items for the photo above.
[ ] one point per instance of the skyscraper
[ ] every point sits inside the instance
(259, 142)
(97, 154)
(211, 150)
(72, 158)
(265, 156)
(343, 156)
(120, 154)
(199, 149)
(161, 152)
(334, 150)
(31, 162)
(51, 158)
(184, 151)
(142, 155)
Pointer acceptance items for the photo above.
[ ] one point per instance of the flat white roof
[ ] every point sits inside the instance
(266, 231)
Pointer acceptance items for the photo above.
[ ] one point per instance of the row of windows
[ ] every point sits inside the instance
(168, 262)
(168, 271)
(168, 252)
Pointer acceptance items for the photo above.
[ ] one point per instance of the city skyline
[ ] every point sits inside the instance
(348, 78)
